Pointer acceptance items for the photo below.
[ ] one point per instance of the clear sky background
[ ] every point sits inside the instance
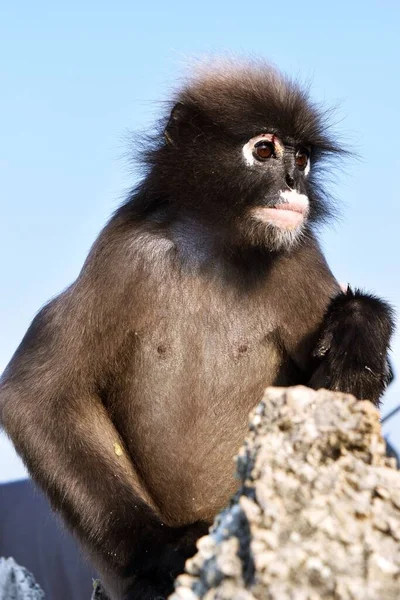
(77, 76)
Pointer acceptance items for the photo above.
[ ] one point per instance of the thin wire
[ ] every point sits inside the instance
(390, 414)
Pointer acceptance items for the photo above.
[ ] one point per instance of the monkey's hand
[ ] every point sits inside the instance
(351, 354)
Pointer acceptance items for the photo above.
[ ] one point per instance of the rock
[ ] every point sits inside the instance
(318, 511)
(98, 591)
(16, 583)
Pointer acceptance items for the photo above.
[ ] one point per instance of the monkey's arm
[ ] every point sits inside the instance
(352, 351)
(50, 409)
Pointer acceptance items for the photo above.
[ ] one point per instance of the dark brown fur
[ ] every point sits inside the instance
(180, 318)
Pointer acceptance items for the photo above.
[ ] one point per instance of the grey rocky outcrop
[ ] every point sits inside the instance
(17, 583)
(318, 511)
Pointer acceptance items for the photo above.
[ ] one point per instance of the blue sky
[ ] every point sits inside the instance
(77, 76)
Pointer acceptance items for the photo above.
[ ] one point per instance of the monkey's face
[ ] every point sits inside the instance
(242, 152)
(279, 212)
(251, 189)
(255, 190)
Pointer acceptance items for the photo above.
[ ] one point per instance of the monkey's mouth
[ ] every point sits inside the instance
(289, 212)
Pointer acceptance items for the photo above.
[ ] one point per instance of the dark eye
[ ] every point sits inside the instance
(302, 158)
(264, 150)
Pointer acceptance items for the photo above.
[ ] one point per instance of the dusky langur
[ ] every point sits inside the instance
(129, 395)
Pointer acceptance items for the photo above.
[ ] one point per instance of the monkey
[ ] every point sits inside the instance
(129, 395)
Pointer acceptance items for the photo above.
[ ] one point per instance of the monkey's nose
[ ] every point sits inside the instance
(289, 181)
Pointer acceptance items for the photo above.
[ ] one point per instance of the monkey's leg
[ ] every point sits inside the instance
(352, 351)
(74, 452)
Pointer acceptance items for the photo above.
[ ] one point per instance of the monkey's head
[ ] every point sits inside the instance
(242, 150)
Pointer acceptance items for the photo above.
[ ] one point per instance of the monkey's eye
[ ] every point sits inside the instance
(263, 150)
(302, 158)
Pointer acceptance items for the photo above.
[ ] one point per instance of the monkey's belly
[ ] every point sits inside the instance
(190, 417)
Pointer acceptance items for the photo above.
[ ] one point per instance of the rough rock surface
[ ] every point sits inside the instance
(318, 512)
(98, 592)
(16, 583)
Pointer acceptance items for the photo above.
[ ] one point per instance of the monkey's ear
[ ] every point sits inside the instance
(179, 120)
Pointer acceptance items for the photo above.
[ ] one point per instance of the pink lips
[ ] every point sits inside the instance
(288, 214)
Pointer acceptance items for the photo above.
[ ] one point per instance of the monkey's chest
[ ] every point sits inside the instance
(204, 367)
(209, 351)
(195, 375)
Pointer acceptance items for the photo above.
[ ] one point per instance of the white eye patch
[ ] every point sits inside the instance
(247, 152)
(248, 148)
(251, 160)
